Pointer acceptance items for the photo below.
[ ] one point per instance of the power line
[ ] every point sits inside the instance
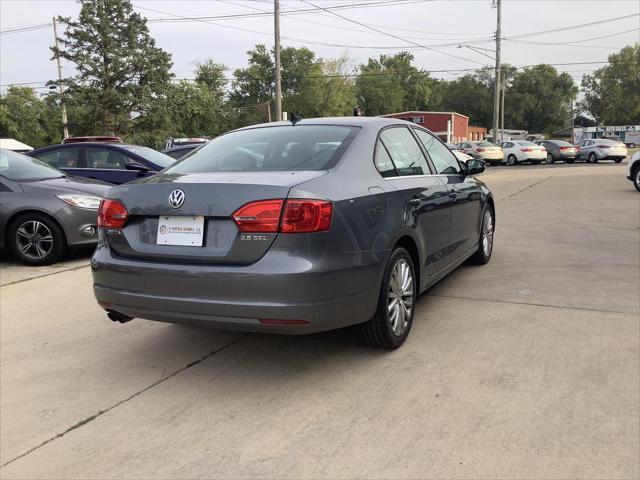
(390, 34)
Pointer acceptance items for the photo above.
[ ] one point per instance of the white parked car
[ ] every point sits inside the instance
(601, 149)
(518, 151)
(483, 150)
(634, 170)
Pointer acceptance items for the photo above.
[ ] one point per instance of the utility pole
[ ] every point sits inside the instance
(496, 99)
(504, 89)
(276, 20)
(65, 127)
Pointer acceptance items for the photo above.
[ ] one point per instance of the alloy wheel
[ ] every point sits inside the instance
(400, 297)
(487, 233)
(34, 239)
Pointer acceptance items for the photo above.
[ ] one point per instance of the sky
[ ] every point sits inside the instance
(380, 29)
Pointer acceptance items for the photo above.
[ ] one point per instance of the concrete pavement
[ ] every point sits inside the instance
(527, 367)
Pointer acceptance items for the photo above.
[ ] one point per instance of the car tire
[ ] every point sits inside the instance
(485, 243)
(593, 158)
(36, 239)
(512, 160)
(389, 327)
(635, 175)
(550, 159)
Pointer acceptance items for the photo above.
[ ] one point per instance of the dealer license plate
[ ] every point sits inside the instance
(187, 231)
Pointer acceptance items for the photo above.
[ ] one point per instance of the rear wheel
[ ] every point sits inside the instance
(36, 239)
(485, 244)
(512, 160)
(392, 321)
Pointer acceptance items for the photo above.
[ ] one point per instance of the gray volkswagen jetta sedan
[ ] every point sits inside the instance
(294, 228)
(43, 211)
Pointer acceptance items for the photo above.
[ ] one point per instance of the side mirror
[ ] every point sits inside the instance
(475, 166)
(136, 166)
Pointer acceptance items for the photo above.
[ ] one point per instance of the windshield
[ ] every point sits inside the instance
(20, 168)
(524, 143)
(150, 154)
(281, 148)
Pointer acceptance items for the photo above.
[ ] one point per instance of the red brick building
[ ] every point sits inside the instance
(437, 123)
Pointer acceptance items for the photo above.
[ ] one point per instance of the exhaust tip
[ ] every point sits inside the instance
(118, 317)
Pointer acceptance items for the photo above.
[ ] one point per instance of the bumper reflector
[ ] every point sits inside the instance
(273, 321)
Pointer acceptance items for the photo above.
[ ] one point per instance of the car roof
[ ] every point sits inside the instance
(85, 144)
(363, 122)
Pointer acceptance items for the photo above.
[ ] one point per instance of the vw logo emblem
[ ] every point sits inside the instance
(176, 198)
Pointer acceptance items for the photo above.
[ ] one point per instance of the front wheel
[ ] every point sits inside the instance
(549, 159)
(636, 178)
(593, 158)
(512, 160)
(36, 239)
(390, 325)
(485, 244)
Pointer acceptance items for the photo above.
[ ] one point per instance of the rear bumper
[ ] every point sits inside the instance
(316, 294)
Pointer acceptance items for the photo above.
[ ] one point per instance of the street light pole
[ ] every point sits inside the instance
(496, 96)
(276, 20)
(65, 127)
(504, 89)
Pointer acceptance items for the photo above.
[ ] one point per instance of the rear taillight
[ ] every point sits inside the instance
(305, 216)
(479, 149)
(262, 216)
(526, 149)
(290, 216)
(564, 148)
(112, 214)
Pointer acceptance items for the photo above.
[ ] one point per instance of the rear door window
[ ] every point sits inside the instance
(104, 158)
(61, 158)
(383, 161)
(405, 151)
(443, 159)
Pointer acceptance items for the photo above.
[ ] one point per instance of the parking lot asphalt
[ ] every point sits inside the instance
(527, 367)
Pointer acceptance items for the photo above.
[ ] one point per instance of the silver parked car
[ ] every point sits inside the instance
(598, 149)
(44, 211)
(634, 170)
(295, 228)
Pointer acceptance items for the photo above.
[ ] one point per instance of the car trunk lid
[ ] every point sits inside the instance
(208, 201)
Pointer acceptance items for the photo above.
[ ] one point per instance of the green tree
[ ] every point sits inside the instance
(612, 93)
(213, 76)
(540, 99)
(24, 116)
(120, 71)
(470, 95)
(392, 84)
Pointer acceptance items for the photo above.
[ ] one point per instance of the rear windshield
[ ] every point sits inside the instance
(524, 143)
(485, 144)
(281, 148)
(149, 154)
(561, 143)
